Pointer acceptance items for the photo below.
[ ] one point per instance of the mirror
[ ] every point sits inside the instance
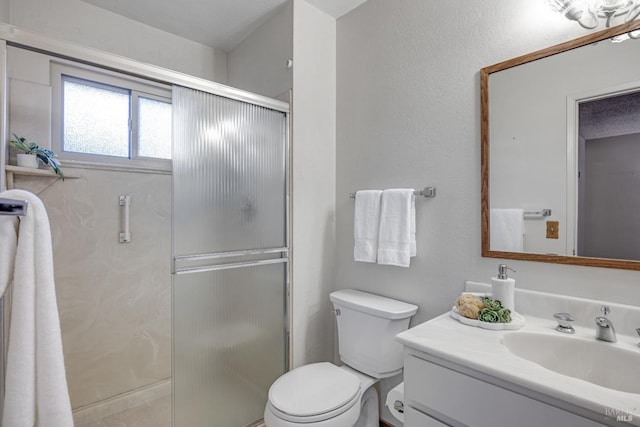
(543, 117)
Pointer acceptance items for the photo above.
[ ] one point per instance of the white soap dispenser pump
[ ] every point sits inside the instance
(503, 287)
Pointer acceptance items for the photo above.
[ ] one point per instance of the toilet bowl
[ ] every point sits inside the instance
(325, 395)
(322, 395)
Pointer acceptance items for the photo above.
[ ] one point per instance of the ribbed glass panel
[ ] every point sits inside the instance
(229, 174)
(229, 344)
(229, 213)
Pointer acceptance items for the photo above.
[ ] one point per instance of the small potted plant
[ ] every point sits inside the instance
(31, 153)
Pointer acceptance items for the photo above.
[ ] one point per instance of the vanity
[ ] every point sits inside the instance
(459, 375)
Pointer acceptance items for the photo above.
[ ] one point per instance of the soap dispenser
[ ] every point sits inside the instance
(502, 287)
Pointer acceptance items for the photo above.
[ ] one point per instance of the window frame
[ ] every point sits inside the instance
(117, 82)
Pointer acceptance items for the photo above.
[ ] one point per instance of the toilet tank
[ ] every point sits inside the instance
(367, 327)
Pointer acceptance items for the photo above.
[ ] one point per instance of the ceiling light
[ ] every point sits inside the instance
(590, 13)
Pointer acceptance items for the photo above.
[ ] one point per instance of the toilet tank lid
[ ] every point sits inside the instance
(375, 305)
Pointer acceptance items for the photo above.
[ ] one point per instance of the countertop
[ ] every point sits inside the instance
(483, 351)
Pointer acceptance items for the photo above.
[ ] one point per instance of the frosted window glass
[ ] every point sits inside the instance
(154, 128)
(96, 120)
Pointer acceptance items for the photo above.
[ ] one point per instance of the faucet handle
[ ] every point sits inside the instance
(564, 323)
(638, 331)
(605, 310)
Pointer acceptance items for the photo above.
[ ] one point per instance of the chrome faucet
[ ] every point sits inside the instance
(604, 327)
(564, 323)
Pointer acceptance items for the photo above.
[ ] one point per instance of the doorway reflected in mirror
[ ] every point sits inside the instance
(608, 177)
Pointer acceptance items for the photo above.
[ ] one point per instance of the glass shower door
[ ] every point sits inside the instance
(230, 258)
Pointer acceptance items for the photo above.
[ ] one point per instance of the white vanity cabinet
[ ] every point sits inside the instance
(460, 375)
(437, 395)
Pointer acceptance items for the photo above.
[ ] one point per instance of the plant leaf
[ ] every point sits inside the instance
(44, 154)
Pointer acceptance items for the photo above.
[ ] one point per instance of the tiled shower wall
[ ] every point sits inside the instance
(114, 298)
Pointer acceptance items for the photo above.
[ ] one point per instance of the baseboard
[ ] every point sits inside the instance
(383, 423)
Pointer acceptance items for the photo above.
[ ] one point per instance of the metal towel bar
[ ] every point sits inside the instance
(425, 192)
(537, 214)
(13, 207)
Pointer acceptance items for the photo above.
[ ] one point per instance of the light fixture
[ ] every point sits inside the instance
(590, 13)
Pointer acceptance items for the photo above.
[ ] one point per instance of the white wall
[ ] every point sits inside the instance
(408, 114)
(258, 64)
(314, 130)
(88, 25)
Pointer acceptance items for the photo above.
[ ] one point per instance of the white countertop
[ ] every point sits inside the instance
(482, 350)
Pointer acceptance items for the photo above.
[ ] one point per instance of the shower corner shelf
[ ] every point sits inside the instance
(18, 170)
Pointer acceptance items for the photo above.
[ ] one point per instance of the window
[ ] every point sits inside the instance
(95, 119)
(154, 128)
(111, 119)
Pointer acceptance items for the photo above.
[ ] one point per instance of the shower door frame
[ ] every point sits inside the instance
(11, 35)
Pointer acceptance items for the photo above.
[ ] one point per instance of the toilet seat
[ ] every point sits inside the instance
(314, 393)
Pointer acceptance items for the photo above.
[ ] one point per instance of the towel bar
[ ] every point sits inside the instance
(536, 214)
(13, 207)
(425, 192)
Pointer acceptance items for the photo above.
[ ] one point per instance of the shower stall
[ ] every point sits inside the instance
(203, 313)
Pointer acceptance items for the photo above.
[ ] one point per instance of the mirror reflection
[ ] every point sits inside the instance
(562, 167)
(608, 177)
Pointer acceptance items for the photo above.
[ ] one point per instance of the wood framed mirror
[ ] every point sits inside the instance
(535, 132)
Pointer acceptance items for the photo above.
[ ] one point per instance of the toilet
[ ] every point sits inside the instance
(326, 395)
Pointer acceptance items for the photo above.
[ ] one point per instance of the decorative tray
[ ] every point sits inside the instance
(517, 320)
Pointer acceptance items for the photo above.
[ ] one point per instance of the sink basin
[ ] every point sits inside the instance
(605, 364)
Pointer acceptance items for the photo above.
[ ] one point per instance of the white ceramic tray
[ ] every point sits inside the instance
(517, 321)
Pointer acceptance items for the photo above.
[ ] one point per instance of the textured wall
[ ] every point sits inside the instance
(313, 183)
(408, 114)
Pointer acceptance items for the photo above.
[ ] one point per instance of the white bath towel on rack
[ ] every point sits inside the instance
(36, 393)
(396, 241)
(506, 230)
(366, 223)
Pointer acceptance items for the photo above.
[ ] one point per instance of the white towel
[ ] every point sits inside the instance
(36, 393)
(413, 250)
(366, 222)
(506, 229)
(397, 221)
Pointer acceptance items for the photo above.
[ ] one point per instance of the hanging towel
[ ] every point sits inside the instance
(397, 212)
(366, 222)
(412, 234)
(506, 229)
(36, 393)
